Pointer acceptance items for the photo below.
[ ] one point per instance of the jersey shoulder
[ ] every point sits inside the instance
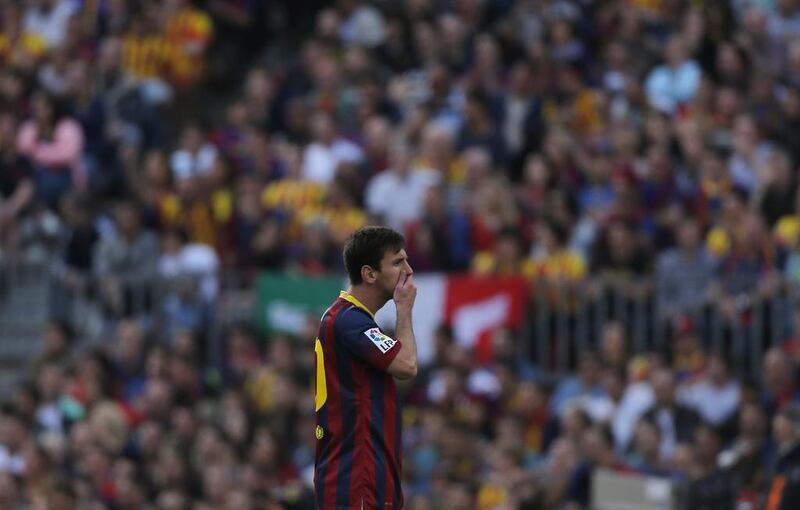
(350, 317)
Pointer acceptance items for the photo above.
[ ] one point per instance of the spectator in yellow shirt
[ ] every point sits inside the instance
(18, 47)
(339, 214)
(189, 208)
(505, 258)
(146, 53)
(720, 237)
(189, 32)
(552, 259)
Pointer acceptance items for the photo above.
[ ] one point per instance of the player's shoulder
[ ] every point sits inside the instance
(350, 316)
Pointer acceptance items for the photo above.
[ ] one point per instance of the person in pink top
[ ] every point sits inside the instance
(53, 142)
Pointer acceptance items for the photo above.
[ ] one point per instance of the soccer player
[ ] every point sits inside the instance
(358, 458)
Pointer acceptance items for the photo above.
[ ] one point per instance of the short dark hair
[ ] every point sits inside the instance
(604, 432)
(62, 486)
(65, 328)
(366, 247)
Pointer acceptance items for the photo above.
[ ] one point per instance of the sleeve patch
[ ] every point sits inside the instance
(381, 341)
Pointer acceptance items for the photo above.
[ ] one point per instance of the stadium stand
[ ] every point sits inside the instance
(600, 200)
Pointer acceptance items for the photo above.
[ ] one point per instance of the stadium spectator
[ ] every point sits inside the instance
(72, 272)
(17, 184)
(440, 238)
(553, 260)
(126, 263)
(407, 184)
(750, 454)
(779, 383)
(709, 486)
(614, 346)
(323, 156)
(585, 384)
(52, 141)
(715, 395)
(644, 152)
(690, 259)
(195, 157)
(48, 19)
(783, 488)
(688, 355)
(675, 420)
(675, 83)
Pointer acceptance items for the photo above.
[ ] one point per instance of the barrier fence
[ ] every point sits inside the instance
(558, 321)
(567, 319)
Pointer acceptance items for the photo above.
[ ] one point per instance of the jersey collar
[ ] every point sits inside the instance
(351, 298)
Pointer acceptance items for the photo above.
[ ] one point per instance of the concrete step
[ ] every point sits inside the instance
(18, 347)
(22, 306)
(13, 370)
(20, 334)
(23, 316)
(23, 319)
(27, 292)
(35, 313)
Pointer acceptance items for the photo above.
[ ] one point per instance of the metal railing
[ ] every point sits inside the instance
(565, 319)
(23, 313)
(562, 319)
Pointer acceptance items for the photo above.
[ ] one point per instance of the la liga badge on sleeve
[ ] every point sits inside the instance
(381, 341)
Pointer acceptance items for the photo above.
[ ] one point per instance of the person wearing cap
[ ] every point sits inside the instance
(784, 487)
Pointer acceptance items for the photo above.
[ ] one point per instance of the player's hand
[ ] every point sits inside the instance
(405, 292)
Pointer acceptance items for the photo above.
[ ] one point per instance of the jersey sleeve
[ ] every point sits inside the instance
(360, 335)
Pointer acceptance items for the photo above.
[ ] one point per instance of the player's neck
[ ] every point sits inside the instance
(369, 297)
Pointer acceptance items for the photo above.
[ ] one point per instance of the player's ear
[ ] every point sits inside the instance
(368, 275)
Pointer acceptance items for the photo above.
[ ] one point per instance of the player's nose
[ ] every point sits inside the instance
(409, 270)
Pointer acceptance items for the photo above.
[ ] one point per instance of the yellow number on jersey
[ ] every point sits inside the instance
(321, 395)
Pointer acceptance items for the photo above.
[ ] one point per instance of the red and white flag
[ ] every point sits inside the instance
(473, 306)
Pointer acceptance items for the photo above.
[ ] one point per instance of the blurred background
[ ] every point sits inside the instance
(599, 198)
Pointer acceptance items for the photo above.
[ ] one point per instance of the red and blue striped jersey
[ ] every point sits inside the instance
(358, 458)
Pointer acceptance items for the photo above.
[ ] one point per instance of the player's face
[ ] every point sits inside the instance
(392, 265)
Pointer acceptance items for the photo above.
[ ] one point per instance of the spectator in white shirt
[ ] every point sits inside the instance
(195, 157)
(784, 21)
(327, 151)
(181, 258)
(397, 194)
(13, 431)
(602, 408)
(716, 396)
(636, 400)
(48, 19)
(750, 155)
(676, 82)
(676, 422)
(363, 24)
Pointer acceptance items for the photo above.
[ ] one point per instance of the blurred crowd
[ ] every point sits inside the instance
(143, 422)
(157, 146)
